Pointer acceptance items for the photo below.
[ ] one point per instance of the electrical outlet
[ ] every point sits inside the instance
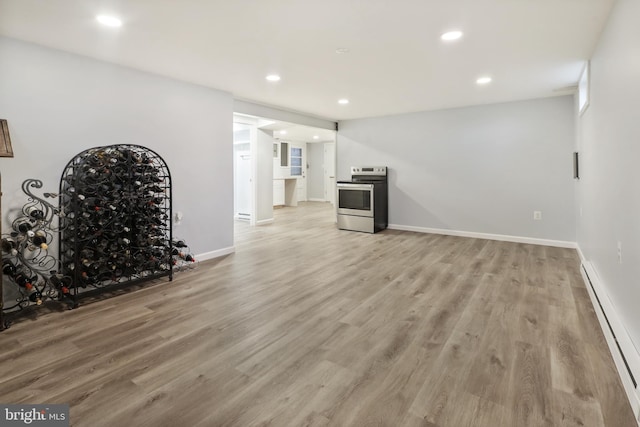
(619, 252)
(537, 215)
(177, 218)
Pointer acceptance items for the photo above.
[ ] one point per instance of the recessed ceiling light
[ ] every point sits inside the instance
(451, 35)
(316, 137)
(273, 78)
(342, 50)
(283, 132)
(343, 101)
(109, 21)
(483, 80)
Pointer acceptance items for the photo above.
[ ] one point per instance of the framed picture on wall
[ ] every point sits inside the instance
(5, 140)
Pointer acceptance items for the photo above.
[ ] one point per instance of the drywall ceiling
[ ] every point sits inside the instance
(395, 62)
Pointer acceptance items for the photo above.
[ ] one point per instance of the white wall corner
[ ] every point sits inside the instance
(583, 259)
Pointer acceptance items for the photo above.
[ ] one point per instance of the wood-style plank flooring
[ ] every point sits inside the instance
(306, 325)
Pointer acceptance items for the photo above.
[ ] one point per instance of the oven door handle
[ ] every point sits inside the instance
(355, 186)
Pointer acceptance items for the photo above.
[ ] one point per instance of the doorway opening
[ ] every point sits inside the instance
(279, 164)
(242, 172)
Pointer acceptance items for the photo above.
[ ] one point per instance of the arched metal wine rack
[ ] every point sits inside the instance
(115, 229)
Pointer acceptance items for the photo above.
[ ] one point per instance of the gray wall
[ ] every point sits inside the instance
(315, 173)
(609, 144)
(59, 104)
(481, 169)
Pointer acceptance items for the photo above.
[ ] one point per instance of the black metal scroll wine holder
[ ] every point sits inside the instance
(115, 228)
(27, 263)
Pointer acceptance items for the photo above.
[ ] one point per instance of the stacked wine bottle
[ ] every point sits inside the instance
(183, 259)
(117, 223)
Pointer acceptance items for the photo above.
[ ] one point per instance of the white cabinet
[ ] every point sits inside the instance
(278, 192)
(285, 192)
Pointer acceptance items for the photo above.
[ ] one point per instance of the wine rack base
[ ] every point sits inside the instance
(115, 230)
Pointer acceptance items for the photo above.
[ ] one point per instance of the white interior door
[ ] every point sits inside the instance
(243, 185)
(330, 172)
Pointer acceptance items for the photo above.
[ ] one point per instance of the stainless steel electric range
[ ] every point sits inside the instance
(363, 201)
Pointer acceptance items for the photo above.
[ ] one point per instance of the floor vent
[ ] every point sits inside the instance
(604, 313)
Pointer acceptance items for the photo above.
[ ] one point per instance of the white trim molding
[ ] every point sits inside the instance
(500, 237)
(264, 221)
(215, 254)
(624, 353)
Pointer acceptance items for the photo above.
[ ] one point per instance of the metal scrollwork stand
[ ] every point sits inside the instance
(26, 259)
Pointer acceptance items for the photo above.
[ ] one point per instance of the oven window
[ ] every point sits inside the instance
(354, 199)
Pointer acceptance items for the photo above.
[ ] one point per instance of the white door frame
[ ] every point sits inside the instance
(239, 156)
(330, 172)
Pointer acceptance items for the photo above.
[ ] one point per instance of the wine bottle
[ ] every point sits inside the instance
(35, 213)
(24, 227)
(23, 280)
(8, 268)
(9, 246)
(69, 179)
(60, 284)
(39, 241)
(155, 189)
(179, 244)
(35, 296)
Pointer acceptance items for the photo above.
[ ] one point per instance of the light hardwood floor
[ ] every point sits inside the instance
(306, 325)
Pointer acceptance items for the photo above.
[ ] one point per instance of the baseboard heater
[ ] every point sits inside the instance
(613, 333)
(624, 353)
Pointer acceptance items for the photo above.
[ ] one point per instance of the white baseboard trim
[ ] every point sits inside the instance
(215, 254)
(624, 353)
(264, 221)
(316, 200)
(500, 237)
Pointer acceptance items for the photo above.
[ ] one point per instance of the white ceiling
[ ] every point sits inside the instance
(396, 62)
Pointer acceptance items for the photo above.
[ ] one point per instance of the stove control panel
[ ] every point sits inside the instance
(368, 170)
